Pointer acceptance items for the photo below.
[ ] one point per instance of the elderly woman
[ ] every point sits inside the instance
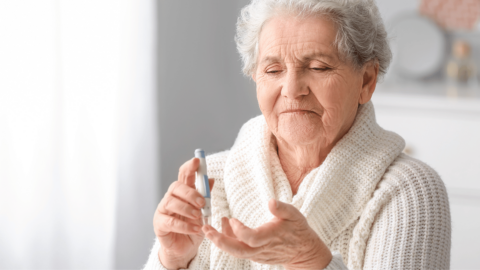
(314, 182)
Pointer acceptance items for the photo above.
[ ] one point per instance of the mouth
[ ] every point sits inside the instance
(299, 112)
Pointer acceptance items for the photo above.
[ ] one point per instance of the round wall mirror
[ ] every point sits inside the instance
(418, 46)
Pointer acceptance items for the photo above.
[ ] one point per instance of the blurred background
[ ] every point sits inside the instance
(102, 101)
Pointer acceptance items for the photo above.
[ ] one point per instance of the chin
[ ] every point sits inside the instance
(303, 130)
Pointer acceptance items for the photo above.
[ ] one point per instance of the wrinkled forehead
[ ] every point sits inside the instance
(297, 39)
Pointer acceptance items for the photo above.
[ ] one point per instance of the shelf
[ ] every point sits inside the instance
(430, 97)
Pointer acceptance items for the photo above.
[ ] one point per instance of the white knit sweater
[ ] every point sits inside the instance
(374, 207)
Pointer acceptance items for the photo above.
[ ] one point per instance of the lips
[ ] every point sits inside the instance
(295, 111)
(299, 111)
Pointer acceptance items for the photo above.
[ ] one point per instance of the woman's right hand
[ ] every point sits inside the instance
(178, 220)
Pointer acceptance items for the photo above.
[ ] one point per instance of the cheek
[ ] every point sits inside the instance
(267, 96)
(336, 97)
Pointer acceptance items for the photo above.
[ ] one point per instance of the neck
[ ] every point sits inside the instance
(298, 161)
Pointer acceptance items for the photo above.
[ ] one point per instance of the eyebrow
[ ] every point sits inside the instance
(304, 58)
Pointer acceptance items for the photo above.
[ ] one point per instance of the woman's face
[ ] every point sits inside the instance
(305, 91)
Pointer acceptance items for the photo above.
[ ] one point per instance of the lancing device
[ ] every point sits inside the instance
(202, 185)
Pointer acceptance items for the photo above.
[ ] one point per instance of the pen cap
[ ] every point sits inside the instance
(199, 153)
(202, 167)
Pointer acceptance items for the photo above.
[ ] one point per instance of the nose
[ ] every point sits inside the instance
(294, 86)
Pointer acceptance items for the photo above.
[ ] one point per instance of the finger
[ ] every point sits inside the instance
(284, 210)
(254, 237)
(211, 182)
(187, 193)
(166, 224)
(230, 245)
(197, 221)
(226, 228)
(174, 205)
(186, 174)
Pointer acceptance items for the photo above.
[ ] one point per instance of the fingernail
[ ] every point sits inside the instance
(195, 213)
(200, 201)
(196, 228)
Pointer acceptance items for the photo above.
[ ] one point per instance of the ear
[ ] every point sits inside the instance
(254, 77)
(369, 83)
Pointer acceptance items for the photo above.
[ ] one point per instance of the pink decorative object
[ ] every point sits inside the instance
(452, 14)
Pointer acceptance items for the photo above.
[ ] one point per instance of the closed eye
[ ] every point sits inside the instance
(321, 69)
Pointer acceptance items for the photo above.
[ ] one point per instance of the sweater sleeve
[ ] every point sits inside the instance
(153, 262)
(215, 164)
(412, 228)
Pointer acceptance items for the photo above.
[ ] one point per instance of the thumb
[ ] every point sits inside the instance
(284, 210)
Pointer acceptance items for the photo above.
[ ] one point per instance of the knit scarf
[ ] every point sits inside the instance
(331, 197)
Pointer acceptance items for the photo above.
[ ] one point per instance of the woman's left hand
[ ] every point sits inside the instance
(287, 239)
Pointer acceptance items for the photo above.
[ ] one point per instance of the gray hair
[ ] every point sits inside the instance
(361, 35)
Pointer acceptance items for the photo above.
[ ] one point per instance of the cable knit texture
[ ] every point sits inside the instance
(373, 206)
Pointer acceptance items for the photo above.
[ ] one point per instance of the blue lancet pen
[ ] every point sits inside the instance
(202, 185)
